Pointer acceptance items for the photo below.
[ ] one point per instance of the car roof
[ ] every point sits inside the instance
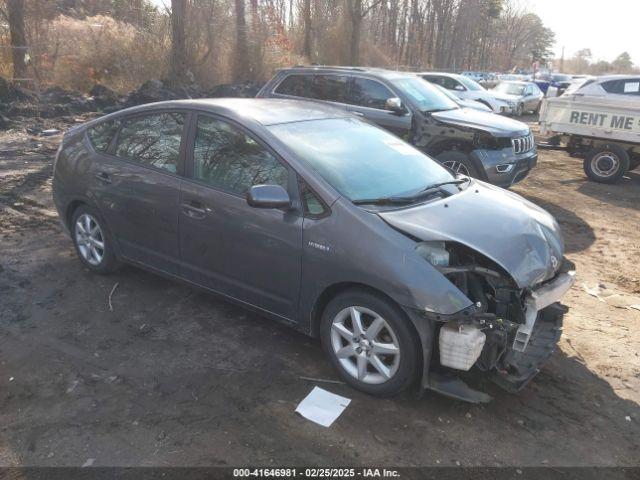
(516, 82)
(443, 74)
(265, 111)
(374, 71)
(606, 78)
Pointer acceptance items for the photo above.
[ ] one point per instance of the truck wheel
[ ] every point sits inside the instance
(606, 164)
(458, 162)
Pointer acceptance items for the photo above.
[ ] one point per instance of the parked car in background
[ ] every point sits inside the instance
(468, 89)
(526, 95)
(477, 76)
(328, 224)
(558, 83)
(479, 144)
(464, 103)
(614, 87)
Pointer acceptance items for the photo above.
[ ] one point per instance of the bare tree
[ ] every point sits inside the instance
(15, 14)
(357, 10)
(178, 64)
(241, 60)
(306, 18)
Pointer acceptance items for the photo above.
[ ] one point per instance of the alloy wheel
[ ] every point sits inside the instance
(89, 239)
(365, 345)
(456, 167)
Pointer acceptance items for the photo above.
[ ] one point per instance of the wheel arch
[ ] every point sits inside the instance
(332, 291)
(71, 208)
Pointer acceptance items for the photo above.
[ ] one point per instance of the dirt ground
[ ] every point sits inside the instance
(173, 376)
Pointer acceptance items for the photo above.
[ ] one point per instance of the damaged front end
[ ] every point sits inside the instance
(508, 332)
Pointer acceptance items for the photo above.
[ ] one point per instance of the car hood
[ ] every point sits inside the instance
(519, 236)
(473, 104)
(505, 96)
(485, 121)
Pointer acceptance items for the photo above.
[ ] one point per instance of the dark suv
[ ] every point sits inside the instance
(490, 147)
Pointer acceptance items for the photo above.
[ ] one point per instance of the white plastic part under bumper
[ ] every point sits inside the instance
(537, 300)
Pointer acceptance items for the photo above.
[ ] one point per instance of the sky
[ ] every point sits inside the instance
(607, 27)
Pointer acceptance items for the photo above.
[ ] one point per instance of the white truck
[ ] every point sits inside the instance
(602, 129)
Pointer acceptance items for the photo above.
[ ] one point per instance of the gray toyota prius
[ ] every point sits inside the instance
(318, 219)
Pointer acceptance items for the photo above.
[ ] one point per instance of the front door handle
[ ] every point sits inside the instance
(195, 210)
(103, 177)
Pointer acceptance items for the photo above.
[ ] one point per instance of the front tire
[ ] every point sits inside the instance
(92, 241)
(519, 110)
(371, 343)
(606, 164)
(458, 163)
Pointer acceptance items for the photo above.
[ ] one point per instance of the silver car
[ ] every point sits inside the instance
(322, 221)
(526, 96)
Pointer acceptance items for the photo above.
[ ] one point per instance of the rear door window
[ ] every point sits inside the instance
(331, 88)
(295, 85)
(369, 93)
(152, 140)
(101, 135)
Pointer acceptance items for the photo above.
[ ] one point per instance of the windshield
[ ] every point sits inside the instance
(469, 83)
(359, 160)
(510, 88)
(424, 96)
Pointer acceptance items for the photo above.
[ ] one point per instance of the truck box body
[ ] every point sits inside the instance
(591, 117)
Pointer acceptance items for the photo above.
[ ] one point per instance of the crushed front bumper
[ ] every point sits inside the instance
(503, 167)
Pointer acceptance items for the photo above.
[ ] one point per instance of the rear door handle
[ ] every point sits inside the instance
(103, 177)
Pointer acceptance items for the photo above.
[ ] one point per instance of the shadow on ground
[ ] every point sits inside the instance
(624, 194)
(578, 234)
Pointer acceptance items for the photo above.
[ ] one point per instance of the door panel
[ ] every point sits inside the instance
(139, 188)
(141, 207)
(251, 254)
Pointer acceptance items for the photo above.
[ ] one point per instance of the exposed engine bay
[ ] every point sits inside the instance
(508, 332)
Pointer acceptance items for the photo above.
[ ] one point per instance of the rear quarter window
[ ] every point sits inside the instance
(101, 135)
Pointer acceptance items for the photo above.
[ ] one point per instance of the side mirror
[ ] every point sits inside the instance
(394, 104)
(459, 88)
(268, 196)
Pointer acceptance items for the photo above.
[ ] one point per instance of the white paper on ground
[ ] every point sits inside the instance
(322, 407)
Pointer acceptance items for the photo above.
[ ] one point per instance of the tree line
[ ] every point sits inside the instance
(216, 41)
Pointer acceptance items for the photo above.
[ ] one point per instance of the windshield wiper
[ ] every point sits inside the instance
(382, 201)
(409, 198)
(403, 200)
(435, 186)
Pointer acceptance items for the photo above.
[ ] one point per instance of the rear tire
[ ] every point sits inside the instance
(458, 162)
(606, 164)
(93, 241)
(360, 333)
